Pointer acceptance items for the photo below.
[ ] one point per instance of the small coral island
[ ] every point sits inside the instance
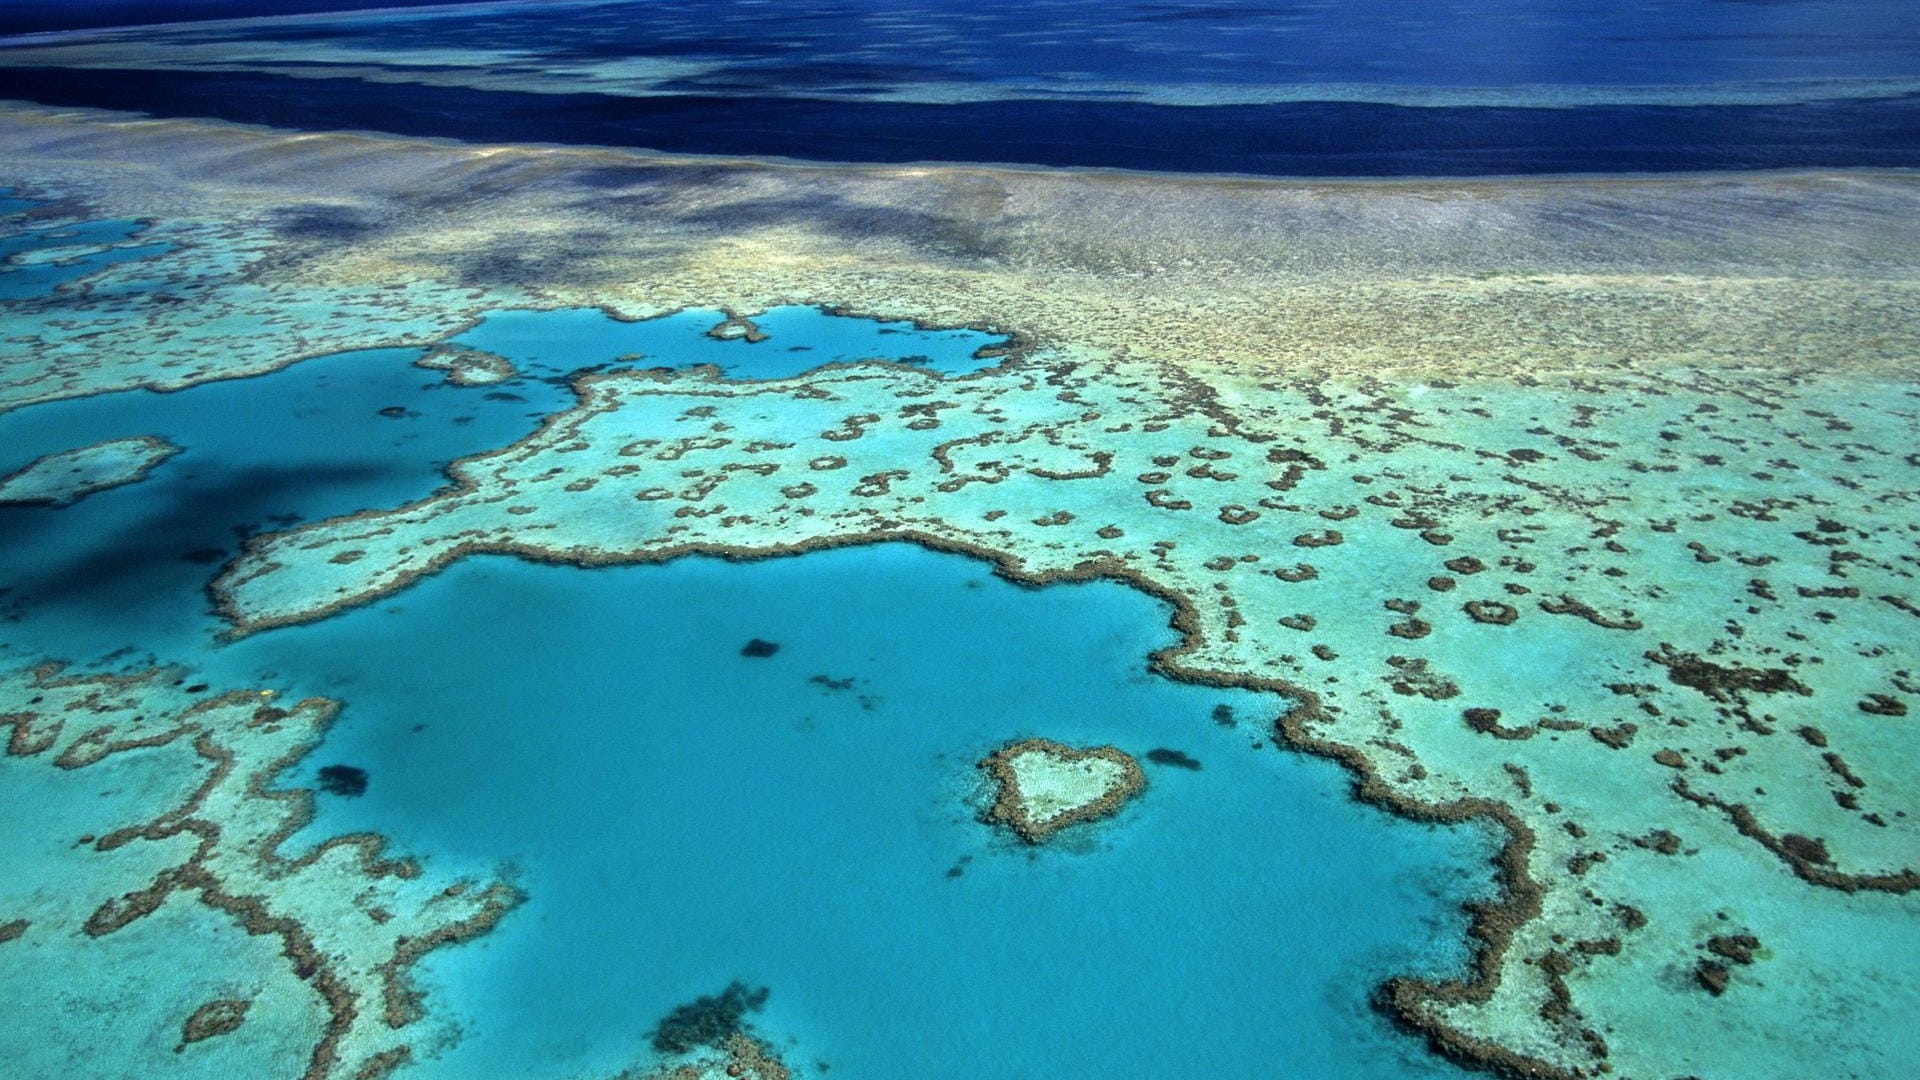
(1044, 786)
(71, 475)
(468, 367)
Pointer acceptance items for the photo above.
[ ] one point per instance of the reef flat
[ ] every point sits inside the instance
(189, 823)
(293, 246)
(60, 478)
(1585, 507)
(1637, 683)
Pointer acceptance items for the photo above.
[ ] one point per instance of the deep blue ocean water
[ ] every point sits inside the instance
(1295, 87)
(42, 16)
(682, 815)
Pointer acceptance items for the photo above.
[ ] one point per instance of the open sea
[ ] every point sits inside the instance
(1292, 87)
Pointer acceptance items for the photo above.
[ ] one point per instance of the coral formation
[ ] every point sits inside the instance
(1643, 448)
(65, 477)
(1044, 786)
(350, 919)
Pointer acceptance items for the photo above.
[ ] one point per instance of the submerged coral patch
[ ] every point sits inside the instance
(708, 1020)
(343, 780)
(1160, 755)
(215, 1018)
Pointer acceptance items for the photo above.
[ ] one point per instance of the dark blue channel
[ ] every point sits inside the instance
(1289, 139)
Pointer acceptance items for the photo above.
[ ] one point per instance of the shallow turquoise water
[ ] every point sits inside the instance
(681, 815)
(104, 231)
(799, 338)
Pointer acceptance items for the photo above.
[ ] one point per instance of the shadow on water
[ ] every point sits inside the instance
(340, 224)
(159, 538)
(513, 262)
(327, 437)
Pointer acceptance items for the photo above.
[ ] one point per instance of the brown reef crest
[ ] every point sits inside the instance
(238, 822)
(1079, 791)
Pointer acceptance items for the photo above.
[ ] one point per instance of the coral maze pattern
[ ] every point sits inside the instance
(1529, 628)
(350, 919)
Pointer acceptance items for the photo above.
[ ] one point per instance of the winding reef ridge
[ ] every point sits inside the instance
(207, 826)
(1584, 507)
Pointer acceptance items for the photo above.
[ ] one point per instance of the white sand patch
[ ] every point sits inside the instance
(1051, 785)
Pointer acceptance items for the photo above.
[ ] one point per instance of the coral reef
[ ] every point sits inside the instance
(1044, 786)
(1584, 508)
(65, 477)
(349, 919)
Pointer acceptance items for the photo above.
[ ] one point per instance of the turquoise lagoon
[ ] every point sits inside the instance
(681, 815)
(799, 338)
